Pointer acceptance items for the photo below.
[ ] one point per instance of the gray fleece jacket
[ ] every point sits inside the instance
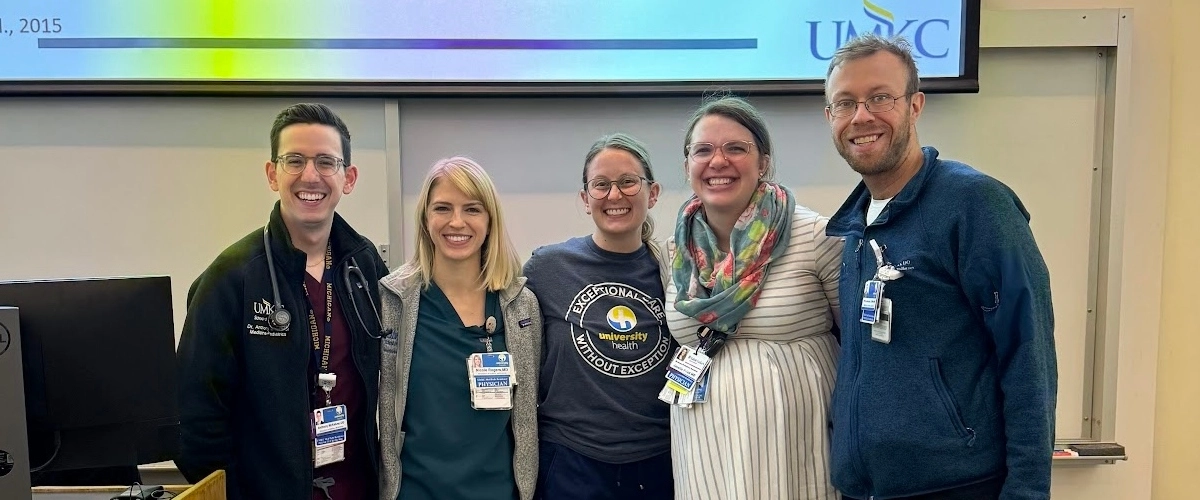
(400, 294)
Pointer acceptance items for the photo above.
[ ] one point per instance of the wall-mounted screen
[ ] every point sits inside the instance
(464, 46)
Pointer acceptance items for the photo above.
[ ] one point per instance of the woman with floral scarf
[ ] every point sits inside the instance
(754, 287)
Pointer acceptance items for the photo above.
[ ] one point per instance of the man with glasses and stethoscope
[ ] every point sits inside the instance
(279, 357)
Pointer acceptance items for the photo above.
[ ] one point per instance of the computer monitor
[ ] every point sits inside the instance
(99, 366)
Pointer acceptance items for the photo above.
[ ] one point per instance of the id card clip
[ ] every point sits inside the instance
(711, 341)
(877, 309)
(327, 381)
(884, 270)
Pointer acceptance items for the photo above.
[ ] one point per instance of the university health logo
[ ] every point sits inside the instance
(621, 319)
(618, 330)
(930, 37)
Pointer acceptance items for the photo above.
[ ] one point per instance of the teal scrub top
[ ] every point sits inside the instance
(452, 451)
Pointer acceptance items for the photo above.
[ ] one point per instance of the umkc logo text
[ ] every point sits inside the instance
(915, 30)
(263, 308)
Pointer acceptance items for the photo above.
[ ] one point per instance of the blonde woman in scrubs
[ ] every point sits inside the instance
(458, 378)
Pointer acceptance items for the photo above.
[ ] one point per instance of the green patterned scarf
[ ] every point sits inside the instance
(718, 289)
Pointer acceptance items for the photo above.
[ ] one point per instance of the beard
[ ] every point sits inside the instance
(891, 157)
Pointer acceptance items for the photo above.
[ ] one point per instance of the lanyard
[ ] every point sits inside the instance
(321, 352)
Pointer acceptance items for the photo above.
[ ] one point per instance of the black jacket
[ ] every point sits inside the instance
(245, 396)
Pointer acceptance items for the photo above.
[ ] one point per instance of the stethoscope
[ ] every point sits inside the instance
(280, 319)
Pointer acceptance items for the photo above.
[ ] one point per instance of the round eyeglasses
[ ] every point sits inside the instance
(629, 185)
(878, 103)
(703, 152)
(294, 163)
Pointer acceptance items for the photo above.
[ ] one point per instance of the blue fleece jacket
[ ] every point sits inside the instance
(965, 391)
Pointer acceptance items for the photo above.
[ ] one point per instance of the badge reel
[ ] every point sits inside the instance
(876, 308)
(491, 375)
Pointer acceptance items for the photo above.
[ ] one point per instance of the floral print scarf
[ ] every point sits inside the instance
(718, 288)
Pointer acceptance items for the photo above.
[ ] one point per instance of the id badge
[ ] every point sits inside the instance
(872, 296)
(701, 392)
(881, 331)
(491, 377)
(687, 367)
(329, 435)
(669, 396)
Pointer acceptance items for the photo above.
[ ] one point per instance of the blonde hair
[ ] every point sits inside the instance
(499, 266)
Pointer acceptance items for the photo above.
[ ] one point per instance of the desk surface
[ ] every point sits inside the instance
(209, 488)
(88, 492)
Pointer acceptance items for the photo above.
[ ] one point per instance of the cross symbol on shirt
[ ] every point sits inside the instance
(487, 343)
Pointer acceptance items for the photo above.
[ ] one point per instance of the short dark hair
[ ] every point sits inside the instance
(309, 112)
(867, 45)
(741, 111)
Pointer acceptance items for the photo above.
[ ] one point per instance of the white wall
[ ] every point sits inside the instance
(152, 186)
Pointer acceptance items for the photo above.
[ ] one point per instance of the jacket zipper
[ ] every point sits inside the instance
(305, 391)
(859, 463)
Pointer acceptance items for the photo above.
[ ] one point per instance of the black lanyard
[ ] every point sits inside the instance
(321, 352)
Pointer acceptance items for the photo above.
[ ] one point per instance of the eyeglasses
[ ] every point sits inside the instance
(628, 185)
(294, 163)
(703, 152)
(878, 103)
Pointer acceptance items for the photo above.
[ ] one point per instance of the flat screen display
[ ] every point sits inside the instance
(464, 46)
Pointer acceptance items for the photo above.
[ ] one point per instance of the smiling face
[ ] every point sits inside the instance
(457, 224)
(619, 217)
(308, 199)
(723, 184)
(874, 143)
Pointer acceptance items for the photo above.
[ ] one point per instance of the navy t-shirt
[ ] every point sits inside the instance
(605, 350)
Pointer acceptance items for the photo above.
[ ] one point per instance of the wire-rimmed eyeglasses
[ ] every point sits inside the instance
(703, 152)
(878, 103)
(629, 185)
(294, 163)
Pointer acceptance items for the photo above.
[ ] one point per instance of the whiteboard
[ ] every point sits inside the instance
(1033, 126)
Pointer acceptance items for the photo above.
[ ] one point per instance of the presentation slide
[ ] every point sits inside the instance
(459, 40)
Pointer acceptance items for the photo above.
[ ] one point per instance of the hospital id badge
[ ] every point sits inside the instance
(872, 297)
(491, 377)
(329, 435)
(700, 394)
(687, 366)
(881, 331)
